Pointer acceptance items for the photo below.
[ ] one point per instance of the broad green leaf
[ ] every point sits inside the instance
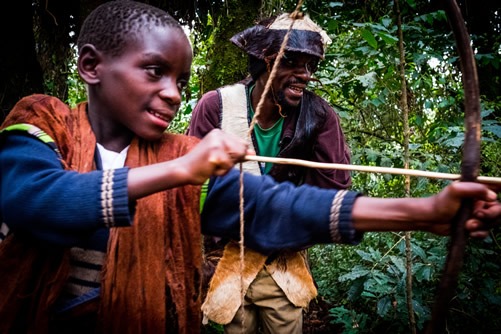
(422, 272)
(369, 37)
(494, 129)
(386, 22)
(384, 305)
(335, 4)
(357, 272)
(367, 80)
(388, 38)
(411, 3)
(398, 261)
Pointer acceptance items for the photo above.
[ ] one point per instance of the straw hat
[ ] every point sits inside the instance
(264, 40)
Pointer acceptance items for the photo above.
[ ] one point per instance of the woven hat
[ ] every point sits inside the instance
(264, 41)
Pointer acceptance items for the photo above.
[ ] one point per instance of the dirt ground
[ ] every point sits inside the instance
(317, 321)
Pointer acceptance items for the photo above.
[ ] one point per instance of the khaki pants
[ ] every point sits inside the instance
(266, 306)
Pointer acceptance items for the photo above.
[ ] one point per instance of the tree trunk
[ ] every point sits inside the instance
(20, 72)
(228, 64)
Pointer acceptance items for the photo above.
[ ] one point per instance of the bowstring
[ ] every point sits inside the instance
(294, 16)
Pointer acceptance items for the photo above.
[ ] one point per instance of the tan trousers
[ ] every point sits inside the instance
(266, 306)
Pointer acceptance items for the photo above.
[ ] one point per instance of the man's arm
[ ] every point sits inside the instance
(206, 115)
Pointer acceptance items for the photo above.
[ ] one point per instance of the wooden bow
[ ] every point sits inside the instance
(469, 167)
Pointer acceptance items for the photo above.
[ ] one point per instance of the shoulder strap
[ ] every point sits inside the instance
(35, 132)
(234, 118)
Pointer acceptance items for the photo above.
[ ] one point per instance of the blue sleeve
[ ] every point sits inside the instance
(277, 216)
(39, 198)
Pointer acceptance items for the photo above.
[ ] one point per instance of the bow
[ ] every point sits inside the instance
(469, 167)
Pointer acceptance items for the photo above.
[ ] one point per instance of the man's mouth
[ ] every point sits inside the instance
(296, 89)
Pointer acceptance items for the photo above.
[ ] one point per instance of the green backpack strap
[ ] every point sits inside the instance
(35, 132)
(203, 194)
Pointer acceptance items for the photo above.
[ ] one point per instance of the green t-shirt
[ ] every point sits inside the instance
(267, 139)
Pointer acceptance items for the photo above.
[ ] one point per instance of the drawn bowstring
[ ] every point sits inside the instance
(296, 14)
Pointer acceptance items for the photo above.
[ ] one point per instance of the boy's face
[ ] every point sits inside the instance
(140, 91)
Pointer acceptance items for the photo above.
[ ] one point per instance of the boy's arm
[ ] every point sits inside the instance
(278, 216)
(39, 197)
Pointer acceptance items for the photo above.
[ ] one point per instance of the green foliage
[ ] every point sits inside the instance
(360, 77)
(76, 88)
(365, 283)
(225, 63)
(350, 320)
(212, 328)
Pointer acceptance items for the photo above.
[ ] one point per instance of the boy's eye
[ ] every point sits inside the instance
(154, 71)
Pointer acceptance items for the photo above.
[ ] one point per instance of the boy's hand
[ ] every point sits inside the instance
(486, 211)
(216, 153)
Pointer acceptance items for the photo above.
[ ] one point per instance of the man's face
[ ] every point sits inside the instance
(294, 72)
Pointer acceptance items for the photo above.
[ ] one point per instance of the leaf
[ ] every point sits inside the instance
(422, 272)
(383, 306)
(419, 309)
(367, 256)
(411, 3)
(454, 142)
(386, 22)
(356, 289)
(335, 4)
(369, 37)
(388, 38)
(368, 80)
(356, 272)
(494, 129)
(399, 263)
(418, 251)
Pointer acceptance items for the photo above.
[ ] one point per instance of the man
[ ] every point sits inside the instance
(293, 123)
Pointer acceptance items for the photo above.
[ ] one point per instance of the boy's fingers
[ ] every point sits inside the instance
(474, 189)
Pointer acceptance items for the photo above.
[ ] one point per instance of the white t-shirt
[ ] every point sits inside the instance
(111, 159)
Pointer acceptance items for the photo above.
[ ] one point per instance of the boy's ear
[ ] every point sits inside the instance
(88, 61)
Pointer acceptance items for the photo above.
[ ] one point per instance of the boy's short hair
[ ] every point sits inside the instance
(111, 25)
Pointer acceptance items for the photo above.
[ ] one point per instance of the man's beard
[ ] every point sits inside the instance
(282, 101)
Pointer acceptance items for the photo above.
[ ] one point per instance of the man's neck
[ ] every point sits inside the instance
(269, 113)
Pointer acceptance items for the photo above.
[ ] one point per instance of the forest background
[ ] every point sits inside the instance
(393, 75)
